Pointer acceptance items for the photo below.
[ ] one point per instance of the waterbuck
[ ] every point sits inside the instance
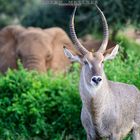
(109, 109)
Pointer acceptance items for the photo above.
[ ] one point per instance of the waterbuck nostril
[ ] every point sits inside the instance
(99, 79)
(96, 79)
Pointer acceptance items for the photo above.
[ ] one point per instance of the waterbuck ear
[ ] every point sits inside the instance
(111, 53)
(71, 56)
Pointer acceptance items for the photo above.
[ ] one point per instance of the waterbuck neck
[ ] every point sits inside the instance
(97, 95)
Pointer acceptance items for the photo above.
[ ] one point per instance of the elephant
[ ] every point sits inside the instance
(38, 49)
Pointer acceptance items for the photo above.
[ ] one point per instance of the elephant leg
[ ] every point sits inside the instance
(88, 124)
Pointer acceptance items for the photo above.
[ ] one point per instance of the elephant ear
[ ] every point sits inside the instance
(8, 45)
(16, 30)
(10, 33)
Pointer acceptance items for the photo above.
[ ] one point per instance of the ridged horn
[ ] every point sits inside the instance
(75, 40)
(105, 31)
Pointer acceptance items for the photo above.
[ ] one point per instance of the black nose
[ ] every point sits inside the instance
(96, 79)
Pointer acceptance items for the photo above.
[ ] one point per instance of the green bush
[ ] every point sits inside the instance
(39, 106)
(44, 106)
(126, 68)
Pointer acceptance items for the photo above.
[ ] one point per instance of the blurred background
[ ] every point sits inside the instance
(47, 107)
(37, 13)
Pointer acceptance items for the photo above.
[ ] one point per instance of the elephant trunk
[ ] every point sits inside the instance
(35, 63)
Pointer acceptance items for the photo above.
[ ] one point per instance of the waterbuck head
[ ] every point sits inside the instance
(92, 63)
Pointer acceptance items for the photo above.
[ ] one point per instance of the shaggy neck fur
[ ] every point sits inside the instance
(97, 97)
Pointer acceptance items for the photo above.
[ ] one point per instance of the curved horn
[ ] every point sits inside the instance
(105, 31)
(78, 45)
